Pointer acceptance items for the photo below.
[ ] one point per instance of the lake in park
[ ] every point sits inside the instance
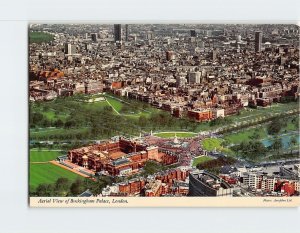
(284, 138)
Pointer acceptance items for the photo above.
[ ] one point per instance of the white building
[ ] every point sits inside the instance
(218, 112)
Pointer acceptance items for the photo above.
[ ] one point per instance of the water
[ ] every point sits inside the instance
(285, 139)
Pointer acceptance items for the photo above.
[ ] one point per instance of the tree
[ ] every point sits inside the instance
(45, 190)
(77, 187)
(62, 184)
(255, 136)
(277, 145)
(59, 123)
(275, 126)
(292, 143)
(45, 122)
(37, 118)
(224, 143)
(70, 124)
(108, 108)
(142, 121)
(96, 187)
(151, 167)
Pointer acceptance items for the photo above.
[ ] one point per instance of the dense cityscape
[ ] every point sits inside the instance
(164, 110)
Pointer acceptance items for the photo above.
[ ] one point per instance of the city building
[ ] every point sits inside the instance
(258, 42)
(200, 115)
(194, 77)
(118, 32)
(126, 32)
(94, 37)
(203, 183)
(70, 49)
(193, 33)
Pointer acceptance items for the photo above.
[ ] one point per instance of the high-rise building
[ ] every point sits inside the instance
(94, 37)
(70, 48)
(126, 32)
(149, 35)
(258, 41)
(194, 77)
(118, 32)
(214, 54)
(193, 33)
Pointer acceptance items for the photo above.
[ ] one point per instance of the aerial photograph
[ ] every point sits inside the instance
(163, 110)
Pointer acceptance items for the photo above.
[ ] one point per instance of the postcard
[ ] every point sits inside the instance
(163, 115)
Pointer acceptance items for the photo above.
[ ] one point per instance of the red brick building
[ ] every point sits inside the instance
(171, 182)
(120, 157)
(200, 115)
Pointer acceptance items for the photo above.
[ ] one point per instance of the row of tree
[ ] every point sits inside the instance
(213, 165)
(63, 187)
(250, 150)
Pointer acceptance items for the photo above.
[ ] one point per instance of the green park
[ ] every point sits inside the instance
(40, 37)
(41, 171)
(76, 118)
(201, 159)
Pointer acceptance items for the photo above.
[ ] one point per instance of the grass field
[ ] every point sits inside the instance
(172, 135)
(246, 135)
(95, 105)
(51, 115)
(48, 173)
(43, 156)
(117, 105)
(211, 143)
(201, 159)
(40, 37)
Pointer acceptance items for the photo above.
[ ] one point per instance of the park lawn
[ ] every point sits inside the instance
(51, 115)
(48, 173)
(95, 105)
(211, 143)
(40, 37)
(242, 136)
(43, 156)
(201, 159)
(142, 112)
(178, 134)
(115, 103)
